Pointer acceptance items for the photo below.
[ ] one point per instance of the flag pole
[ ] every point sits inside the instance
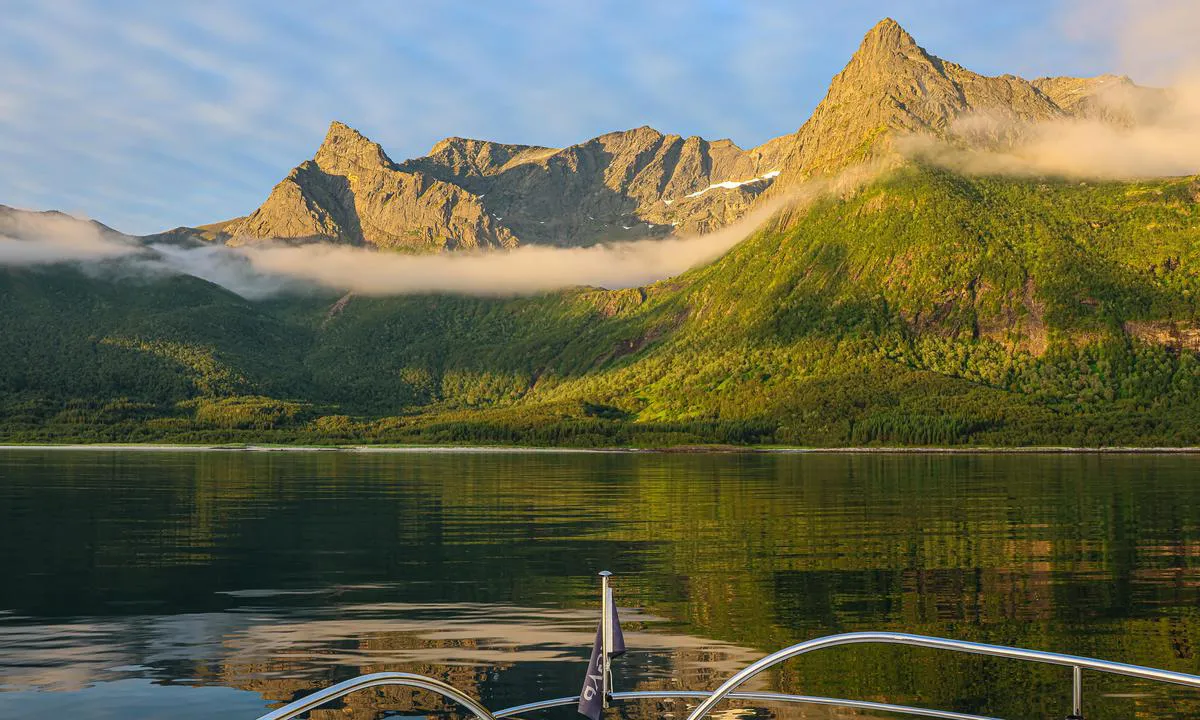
(605, 635)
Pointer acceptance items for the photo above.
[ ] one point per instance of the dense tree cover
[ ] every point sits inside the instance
(926, 308)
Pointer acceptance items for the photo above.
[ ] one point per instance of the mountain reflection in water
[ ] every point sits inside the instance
(280, 657)
(198, 585)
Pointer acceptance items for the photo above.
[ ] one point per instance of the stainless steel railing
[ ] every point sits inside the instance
(362, 682)
(766, 697)
(728, 689)
(1078, 664)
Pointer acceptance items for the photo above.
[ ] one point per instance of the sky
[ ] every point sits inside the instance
(146, 115)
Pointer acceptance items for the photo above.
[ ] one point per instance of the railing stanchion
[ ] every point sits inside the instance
(1076, 693)
(606, 639)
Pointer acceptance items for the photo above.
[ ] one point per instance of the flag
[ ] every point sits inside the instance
(591, 698)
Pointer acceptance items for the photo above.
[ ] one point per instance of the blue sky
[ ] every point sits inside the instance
(147, 115)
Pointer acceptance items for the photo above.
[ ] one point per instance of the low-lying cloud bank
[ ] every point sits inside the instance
(41, 238)
(527, 269)
(262, 269)
(1148, 134)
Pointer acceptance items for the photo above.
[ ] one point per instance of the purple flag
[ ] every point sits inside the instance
(591, 698)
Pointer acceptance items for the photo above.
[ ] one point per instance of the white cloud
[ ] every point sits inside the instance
(35, 239)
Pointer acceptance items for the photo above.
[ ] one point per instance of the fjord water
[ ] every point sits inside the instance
(216, 584)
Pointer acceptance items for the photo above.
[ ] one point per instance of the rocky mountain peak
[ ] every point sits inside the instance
(346, 150)
(885, 38)
(886, 57)
(452, 143)
(471, 157)
(634, 136)
(893, 87)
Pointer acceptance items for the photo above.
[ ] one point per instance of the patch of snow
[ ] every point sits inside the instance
(627, 227)
(731, 184)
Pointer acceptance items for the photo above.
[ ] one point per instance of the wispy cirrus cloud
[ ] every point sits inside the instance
(149, 114)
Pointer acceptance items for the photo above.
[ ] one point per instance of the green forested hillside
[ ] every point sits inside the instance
(925, 309)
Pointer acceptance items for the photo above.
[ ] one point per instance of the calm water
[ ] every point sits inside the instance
(202, 585)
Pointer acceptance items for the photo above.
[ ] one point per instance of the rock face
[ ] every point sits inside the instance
(468, 194)
(619, 186)
(351, 192)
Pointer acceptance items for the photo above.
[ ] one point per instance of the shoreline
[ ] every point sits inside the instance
(675, 450)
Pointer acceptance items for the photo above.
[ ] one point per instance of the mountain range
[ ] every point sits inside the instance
(470, 194)
(922, 306)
